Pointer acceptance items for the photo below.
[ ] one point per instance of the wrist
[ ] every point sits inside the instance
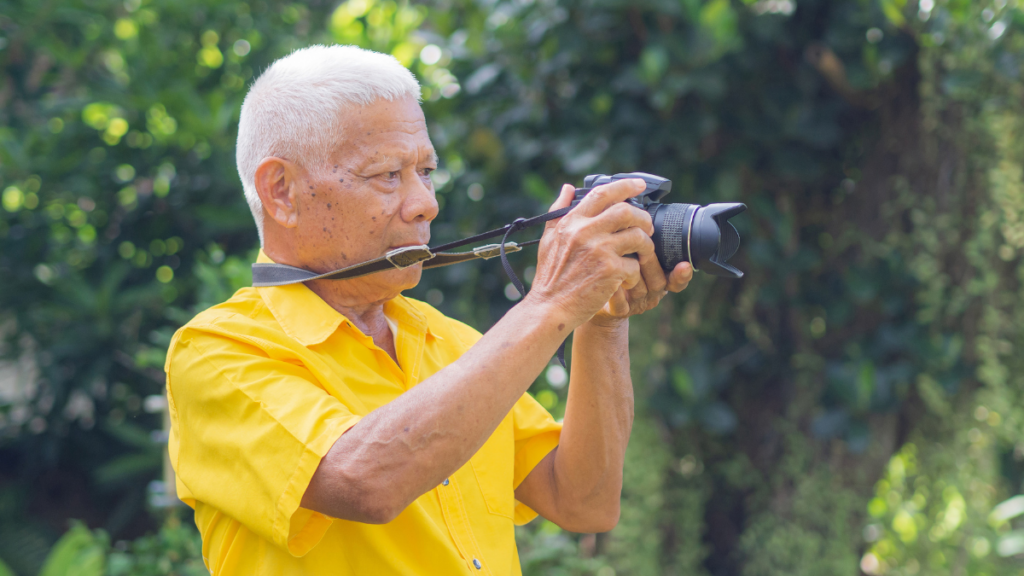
(609, 325)
(550, 313)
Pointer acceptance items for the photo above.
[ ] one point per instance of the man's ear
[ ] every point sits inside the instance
(276, 181)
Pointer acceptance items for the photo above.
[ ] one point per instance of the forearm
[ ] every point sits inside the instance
(407, 447)
(578, 485)
(598, 420)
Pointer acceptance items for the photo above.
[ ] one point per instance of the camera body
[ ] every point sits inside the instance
(700, 235)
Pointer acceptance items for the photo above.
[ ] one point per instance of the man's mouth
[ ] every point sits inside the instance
(406, 245)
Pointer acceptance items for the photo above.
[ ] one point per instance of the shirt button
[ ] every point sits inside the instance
(445, 483)
(477, 564)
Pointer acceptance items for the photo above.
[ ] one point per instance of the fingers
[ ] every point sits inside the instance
(653, 275)
(600, 198)
(631, 241)
(618, 305)
(623, 216)
(565, 197)
(633, 277)
(680, 277)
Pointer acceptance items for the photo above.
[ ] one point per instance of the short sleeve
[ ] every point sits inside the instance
(247, 433)
(536, 434)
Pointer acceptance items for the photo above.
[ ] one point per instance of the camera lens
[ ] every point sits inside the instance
(671, 228)
(700, 235)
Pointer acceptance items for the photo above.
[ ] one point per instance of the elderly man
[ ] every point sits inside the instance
(338, 427)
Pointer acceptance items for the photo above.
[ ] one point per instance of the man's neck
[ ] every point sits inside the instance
(366, 314)
(368, 318)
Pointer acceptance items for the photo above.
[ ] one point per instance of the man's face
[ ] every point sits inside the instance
(375, 196)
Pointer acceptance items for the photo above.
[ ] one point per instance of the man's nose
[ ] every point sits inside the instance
(420, 204)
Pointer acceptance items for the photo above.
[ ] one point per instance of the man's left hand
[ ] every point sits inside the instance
(646, 295)
(654, 284)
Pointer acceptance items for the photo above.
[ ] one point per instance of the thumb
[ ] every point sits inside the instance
(565, 198)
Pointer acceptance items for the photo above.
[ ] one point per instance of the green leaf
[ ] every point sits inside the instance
(79, 552)
(893, 10)
(865, 384)
(127, 467)
(682, 382)
(1007, 510)
(1011, 544)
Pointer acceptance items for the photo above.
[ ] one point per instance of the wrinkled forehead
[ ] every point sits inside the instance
(384, 129)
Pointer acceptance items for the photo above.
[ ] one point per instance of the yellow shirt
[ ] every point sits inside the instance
(261, 386)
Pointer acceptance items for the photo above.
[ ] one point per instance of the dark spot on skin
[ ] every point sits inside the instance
(314, 194)
(341, 179)
(374, 218)
(406, 429)
(561, 327)
(310, 187)
(325, 230)
(328, 205)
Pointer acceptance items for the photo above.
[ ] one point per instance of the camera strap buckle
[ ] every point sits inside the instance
(493, 250)
(408, 256)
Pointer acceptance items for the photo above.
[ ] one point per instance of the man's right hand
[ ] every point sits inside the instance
(582, 258)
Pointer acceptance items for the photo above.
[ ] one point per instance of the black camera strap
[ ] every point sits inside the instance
(272, 274)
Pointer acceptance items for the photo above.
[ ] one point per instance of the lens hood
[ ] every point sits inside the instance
(713, 239)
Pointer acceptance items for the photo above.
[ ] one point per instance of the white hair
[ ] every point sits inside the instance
(294, 108)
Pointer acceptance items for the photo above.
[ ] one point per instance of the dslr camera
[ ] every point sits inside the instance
(700, 235)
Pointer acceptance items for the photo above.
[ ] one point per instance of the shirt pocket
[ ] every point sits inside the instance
(494, 467)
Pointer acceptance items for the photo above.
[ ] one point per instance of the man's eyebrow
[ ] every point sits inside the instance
(377, 160)
(433, 154)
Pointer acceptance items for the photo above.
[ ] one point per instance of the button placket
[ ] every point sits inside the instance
(457, 519)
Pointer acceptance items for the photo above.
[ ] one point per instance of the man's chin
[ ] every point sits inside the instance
(401, 280)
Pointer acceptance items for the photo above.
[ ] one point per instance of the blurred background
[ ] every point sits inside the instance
(854, 405)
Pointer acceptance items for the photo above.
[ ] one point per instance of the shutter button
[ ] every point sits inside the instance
(445, 483)
(477, 564)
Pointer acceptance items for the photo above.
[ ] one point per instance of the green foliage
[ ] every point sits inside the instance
(546, 550)
(79, 552)
(121, 219)
(854, 394)
(175, 550)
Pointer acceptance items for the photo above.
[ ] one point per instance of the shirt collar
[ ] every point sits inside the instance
(308, 319)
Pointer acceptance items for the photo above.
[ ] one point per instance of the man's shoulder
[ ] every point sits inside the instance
(245, 307)
(238, 318)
